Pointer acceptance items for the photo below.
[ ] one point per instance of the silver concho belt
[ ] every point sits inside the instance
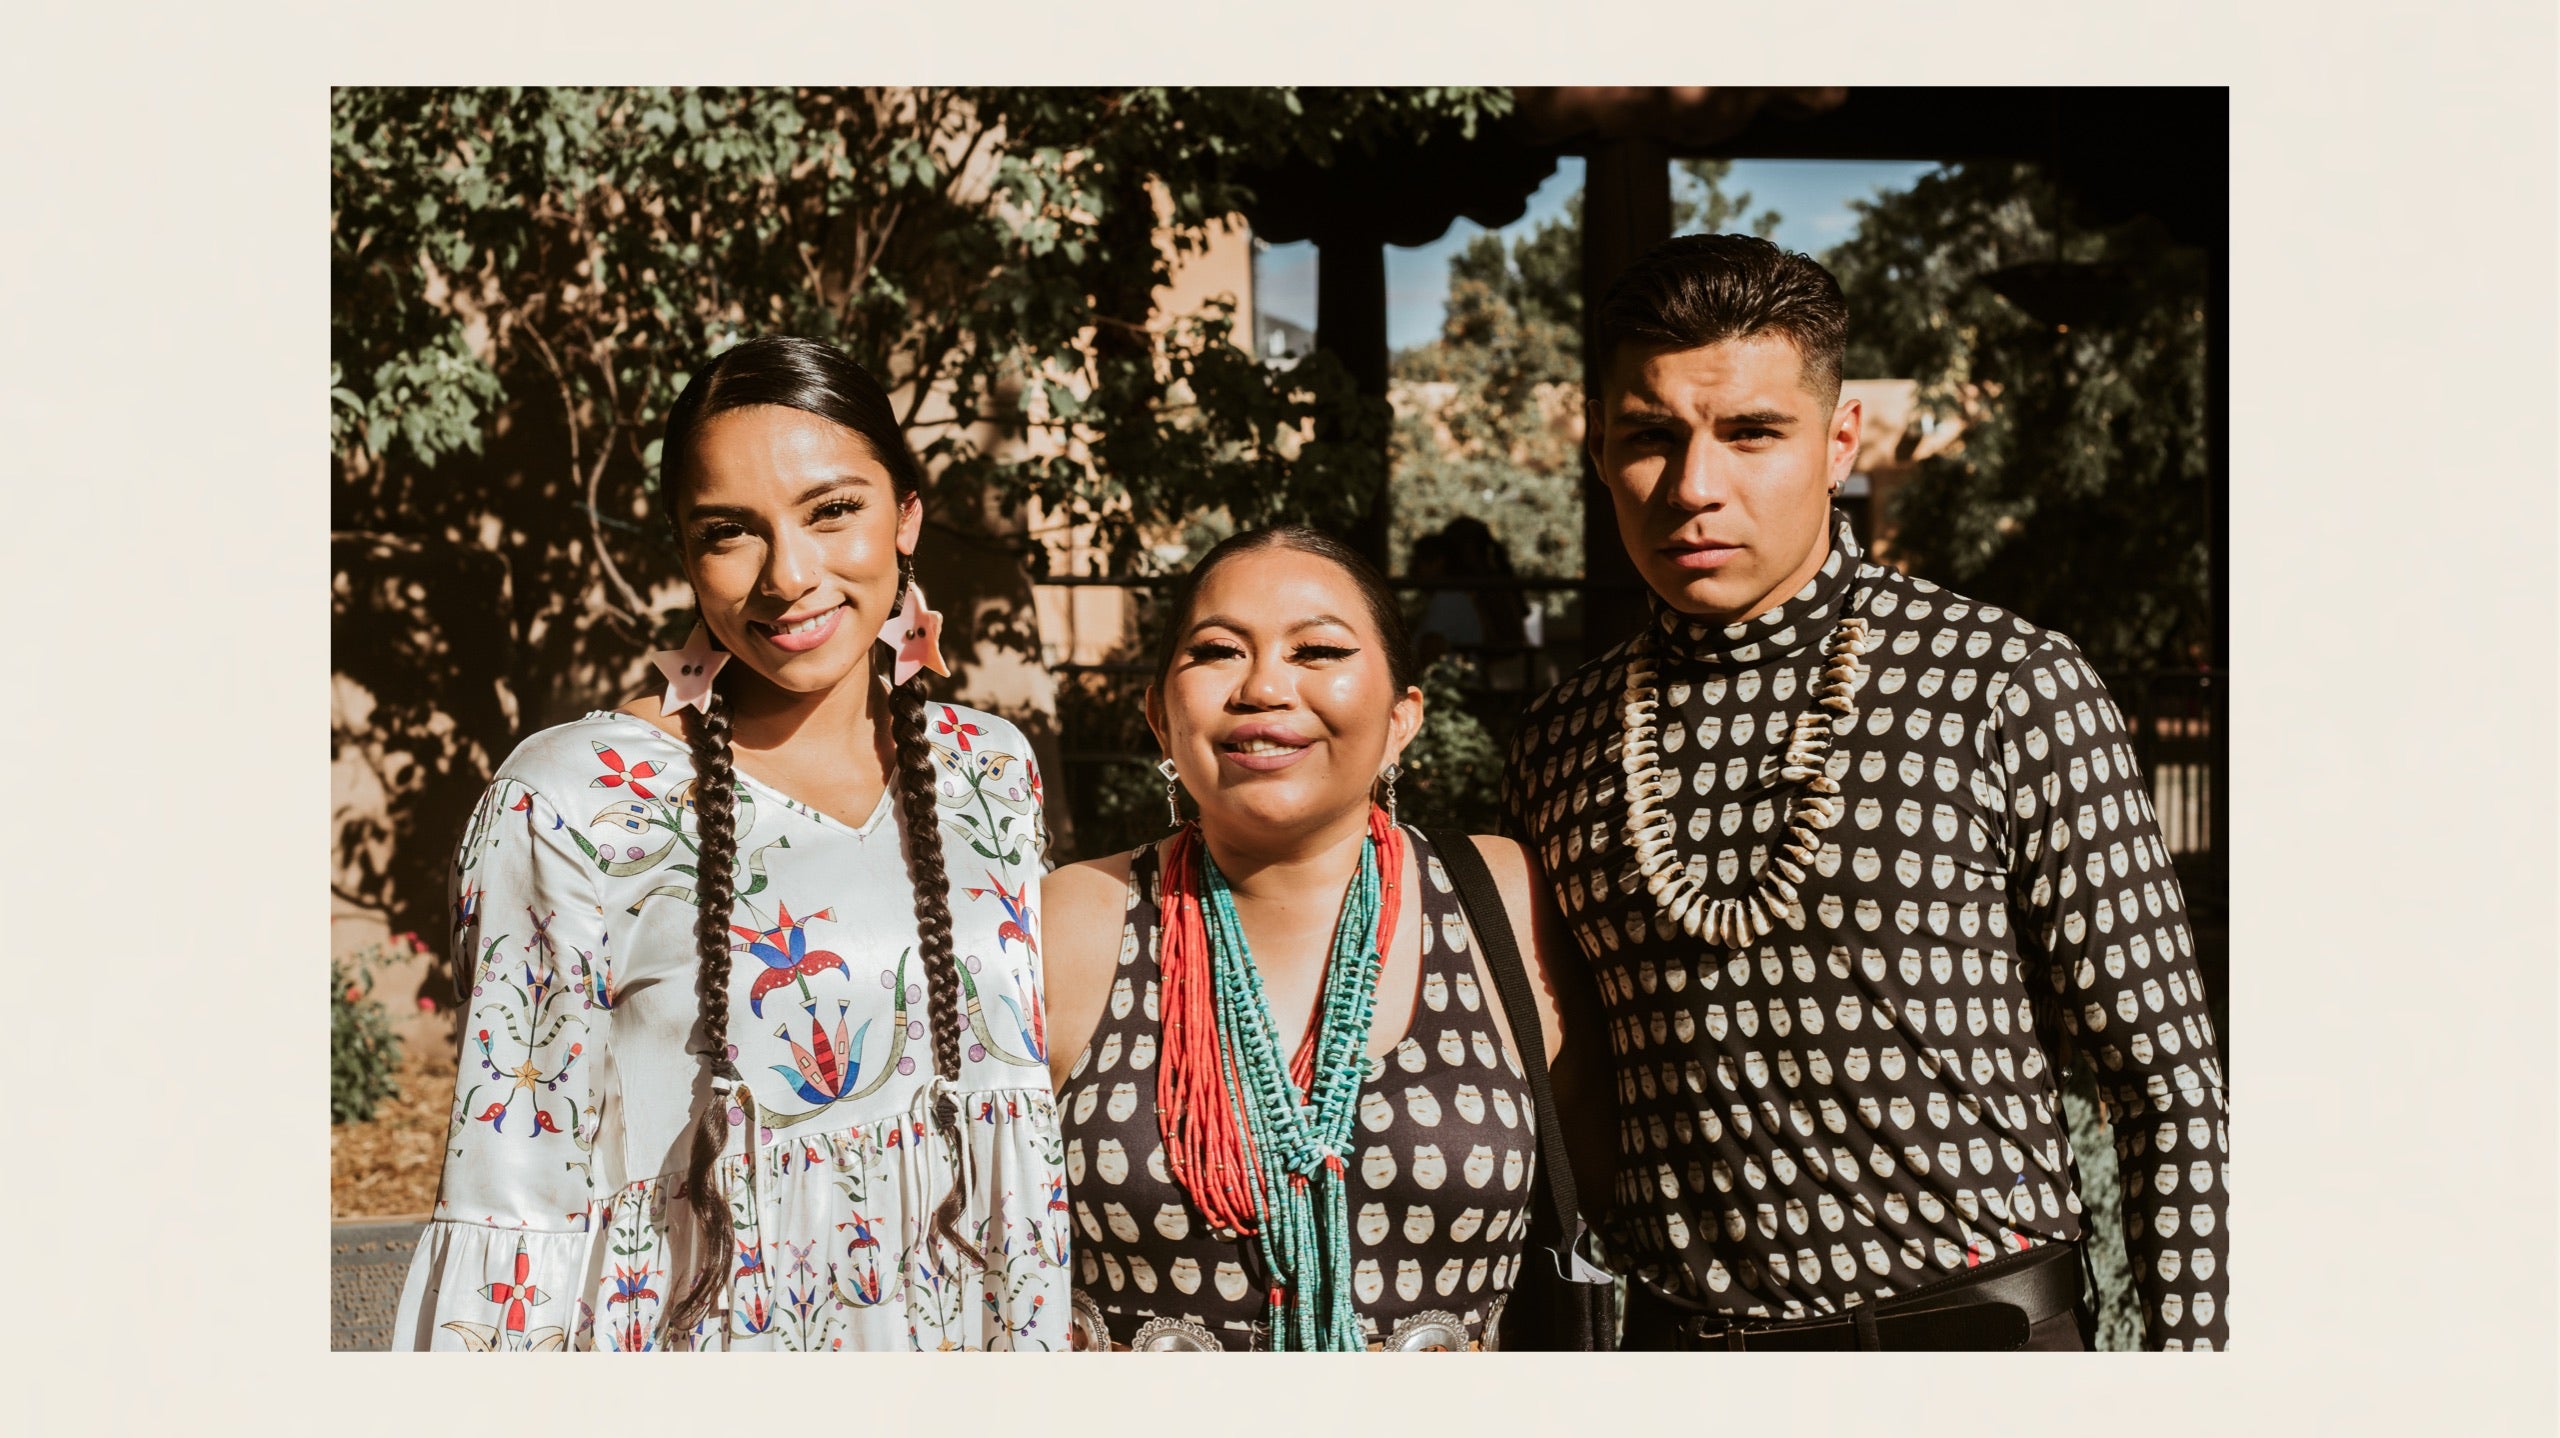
(1432, 1330)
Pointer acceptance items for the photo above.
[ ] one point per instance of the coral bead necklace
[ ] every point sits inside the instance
(1259, 1145)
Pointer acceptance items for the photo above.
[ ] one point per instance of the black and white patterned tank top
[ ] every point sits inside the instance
(1439, 1191)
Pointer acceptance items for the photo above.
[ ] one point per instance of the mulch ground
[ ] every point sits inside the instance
(387, 1168)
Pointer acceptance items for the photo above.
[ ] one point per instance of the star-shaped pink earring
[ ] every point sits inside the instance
(915, 632)
(689, 671)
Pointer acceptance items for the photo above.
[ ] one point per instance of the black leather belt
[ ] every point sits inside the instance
(1990, 1308)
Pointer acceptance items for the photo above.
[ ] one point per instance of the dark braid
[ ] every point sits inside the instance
(817, 379)
(922, 822)
(715, 817)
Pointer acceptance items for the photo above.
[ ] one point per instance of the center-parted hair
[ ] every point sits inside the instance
(1375, 594)
(818, 379)
(1699, 290)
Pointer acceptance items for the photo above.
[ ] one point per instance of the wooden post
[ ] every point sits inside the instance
(1626, 210)
(1351, 324)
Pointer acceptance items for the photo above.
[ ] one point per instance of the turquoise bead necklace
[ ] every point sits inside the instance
(1299, 1146)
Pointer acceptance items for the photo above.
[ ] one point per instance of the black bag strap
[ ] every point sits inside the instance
(1491, 922)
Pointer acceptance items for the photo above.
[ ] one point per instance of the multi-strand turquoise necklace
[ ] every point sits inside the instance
(1299, 1147)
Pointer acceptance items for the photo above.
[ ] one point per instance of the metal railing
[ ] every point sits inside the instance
(1513, 583)
(1559, 648)
(2176, 715)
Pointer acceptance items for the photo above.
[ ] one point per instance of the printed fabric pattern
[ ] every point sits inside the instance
(561, 1222)
(1443, 1175)
(1865, 1101)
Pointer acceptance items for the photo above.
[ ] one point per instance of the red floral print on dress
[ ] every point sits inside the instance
(516, 1298)
(960, 730)
(619, 776)
(630, 1286)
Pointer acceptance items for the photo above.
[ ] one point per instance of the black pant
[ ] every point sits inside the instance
(2071, 1332)
(2029, 1302)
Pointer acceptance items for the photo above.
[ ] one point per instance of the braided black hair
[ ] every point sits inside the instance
(715, 818)
(920, 820)
(818, 379)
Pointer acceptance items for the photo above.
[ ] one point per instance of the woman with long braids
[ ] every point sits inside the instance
(753, 1052)
(1295, 1115)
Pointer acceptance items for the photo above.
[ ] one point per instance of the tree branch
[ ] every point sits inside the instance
(960, 172)
(595, 526)
(590, 480)
(925, 376)
(867, 260)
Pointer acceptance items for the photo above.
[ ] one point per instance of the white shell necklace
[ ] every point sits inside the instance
(1649, 831)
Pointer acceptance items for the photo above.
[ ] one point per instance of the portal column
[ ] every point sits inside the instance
(1626, 210)
(1351, 325)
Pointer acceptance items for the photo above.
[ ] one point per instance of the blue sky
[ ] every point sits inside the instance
(1811, 197)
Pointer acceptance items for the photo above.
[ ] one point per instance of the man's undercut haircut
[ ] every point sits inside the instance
(1699, 290)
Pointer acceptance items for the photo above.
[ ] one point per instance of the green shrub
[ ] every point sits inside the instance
(1453, 768)
(364, 1055)
(2102, 1217)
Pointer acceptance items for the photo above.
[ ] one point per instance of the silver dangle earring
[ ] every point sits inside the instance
(1392, 770)
(1172, 810)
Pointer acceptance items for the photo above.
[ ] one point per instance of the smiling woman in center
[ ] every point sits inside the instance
(1294, 990)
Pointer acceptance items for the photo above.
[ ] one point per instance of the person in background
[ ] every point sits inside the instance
(748, 1061)
(1859, 866)
(1494, 623)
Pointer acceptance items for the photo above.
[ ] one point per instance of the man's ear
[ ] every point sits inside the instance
(1848, 419)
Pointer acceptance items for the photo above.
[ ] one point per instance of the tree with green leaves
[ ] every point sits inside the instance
(1501, 436)
(2078, 495)
(1491, 428)
(521, 279)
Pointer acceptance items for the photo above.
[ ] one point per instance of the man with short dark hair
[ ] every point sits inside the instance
(1859, 866)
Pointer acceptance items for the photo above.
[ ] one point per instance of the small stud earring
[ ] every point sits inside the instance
(1172, 810)
(1390, 773)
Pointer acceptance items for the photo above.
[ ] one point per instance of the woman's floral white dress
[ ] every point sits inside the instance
(560, 1222)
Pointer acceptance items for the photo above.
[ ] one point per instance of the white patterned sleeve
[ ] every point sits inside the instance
(2103, 918)
(504, 1264)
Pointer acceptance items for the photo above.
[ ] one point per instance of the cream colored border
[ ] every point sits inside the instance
(165, 289)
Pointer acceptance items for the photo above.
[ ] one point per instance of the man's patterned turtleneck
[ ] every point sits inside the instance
(1866, 1101)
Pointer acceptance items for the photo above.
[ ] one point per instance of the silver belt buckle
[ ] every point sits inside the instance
(1087, 1332)
(1433, 1330)
(1173, 1335)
